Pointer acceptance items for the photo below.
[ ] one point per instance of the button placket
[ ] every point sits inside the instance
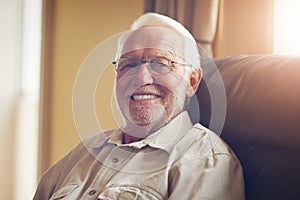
(92, 192)
(115, 160)
(117, 157)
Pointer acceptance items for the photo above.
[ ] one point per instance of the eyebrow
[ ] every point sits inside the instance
(168, 55)
(156, 56)
(159, 53)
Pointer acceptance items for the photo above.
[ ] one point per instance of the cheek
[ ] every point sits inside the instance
(121, 85)
(177, 93)
(119, 79)
(120, 91)
(172, 82)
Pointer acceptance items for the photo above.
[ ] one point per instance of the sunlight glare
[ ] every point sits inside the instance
(286, 27)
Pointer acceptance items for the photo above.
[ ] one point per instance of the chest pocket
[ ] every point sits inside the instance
(131, 193)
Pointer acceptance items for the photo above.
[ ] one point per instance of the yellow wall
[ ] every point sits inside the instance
(77, 27)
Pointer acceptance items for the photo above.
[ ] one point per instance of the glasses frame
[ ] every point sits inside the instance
(148, 66)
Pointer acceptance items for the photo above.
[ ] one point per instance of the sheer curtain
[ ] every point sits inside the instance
(19, 87)
(199, 16)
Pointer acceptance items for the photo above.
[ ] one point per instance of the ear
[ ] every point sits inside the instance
(194, 81)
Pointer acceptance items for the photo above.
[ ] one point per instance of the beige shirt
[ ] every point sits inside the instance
(179, 161)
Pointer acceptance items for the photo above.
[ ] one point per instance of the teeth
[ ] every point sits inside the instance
(143, 97)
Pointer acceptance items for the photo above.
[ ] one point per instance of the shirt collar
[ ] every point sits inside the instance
(164, 138)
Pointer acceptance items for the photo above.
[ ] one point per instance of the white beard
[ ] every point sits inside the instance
(159, 116)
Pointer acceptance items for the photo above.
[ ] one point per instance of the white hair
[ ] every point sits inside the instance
(157, 21)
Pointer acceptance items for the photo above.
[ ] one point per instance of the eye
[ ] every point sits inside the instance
(160, 65)
(161, 62)
(127, 64)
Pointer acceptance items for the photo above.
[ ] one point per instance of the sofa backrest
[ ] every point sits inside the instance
(262, 119)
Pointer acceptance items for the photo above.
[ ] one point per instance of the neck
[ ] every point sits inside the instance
(129, 138)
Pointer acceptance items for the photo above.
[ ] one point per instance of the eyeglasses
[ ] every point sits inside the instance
(156, 65)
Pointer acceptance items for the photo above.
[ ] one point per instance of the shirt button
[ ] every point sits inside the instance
(115, 160)
(92, 192)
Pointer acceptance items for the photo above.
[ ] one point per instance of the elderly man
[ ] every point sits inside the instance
(157, 153)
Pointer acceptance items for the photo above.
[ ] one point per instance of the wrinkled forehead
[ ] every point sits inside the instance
(152, 38)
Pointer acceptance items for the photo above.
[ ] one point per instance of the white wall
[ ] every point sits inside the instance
(10, 20)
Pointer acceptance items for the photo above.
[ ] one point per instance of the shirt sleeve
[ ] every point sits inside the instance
(211, 178)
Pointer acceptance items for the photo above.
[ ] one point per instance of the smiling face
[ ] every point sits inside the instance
(148, 102)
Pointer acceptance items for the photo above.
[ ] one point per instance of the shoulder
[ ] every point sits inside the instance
(80, 150)
(209, 159)
(54, 177)
(200, 143)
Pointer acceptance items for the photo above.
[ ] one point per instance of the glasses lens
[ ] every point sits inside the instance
(160, 65)
(127, 65)
(157, 65)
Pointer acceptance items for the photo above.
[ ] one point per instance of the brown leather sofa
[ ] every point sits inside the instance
(261, 121)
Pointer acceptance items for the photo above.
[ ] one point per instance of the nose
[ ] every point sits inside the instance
(143, 76)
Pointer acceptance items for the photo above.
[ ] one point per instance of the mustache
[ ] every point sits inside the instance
(154, 89)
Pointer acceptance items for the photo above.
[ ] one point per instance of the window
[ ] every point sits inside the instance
(286, 27)
(27, 119)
